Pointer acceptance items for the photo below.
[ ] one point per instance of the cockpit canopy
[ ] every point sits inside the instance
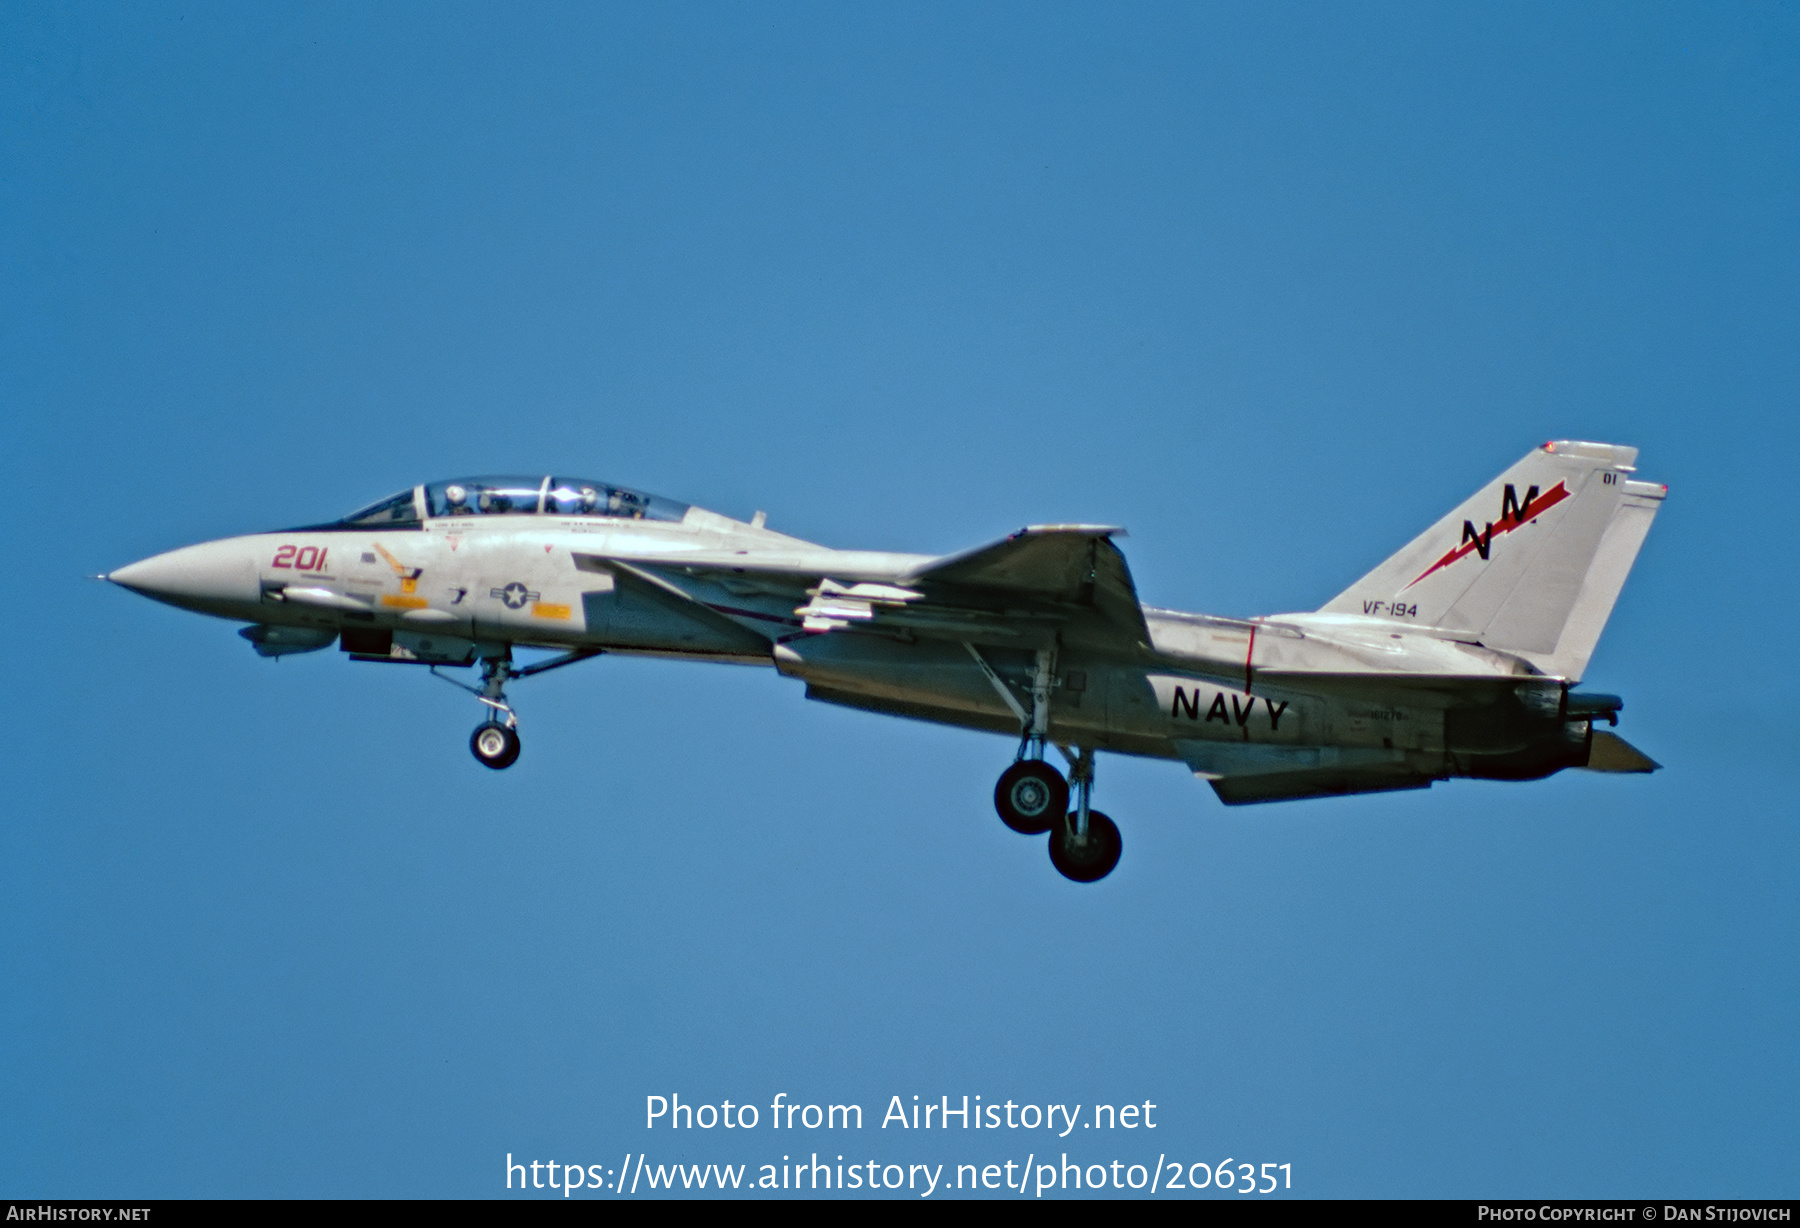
(516, 496)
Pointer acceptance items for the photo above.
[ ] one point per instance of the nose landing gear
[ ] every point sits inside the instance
(495, 742)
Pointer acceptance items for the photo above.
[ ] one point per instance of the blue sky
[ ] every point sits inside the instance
(1273, 286)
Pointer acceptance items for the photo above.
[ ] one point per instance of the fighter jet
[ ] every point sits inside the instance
(1458, 656)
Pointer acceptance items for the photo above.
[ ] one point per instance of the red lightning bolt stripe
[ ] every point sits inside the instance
(1531, 511)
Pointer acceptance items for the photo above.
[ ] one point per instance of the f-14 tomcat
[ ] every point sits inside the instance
(1458, 656)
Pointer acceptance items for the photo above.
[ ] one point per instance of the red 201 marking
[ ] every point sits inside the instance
(300, 558)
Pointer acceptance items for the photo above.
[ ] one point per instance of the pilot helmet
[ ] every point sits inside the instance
(454, 495)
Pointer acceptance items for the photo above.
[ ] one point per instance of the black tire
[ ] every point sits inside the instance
(1031, 796)
(494, 745)
(1092, 859)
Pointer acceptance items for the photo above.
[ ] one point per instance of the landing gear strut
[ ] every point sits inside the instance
(1085, 845)
(1032, 797)
(495, 742)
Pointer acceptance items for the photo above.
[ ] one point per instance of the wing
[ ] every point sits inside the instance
(1049, 560)
(1071, 573)
(1044, 584)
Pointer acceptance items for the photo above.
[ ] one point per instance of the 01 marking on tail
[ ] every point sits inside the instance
(1420, 671)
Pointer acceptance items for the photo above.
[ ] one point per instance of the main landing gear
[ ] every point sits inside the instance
(1032, 797)
(1085, 844)
(495, 742)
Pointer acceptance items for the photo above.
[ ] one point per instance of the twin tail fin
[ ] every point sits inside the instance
(1531, 564)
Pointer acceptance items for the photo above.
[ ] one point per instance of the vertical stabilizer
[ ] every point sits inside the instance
(1531, 563)
(1625, 533)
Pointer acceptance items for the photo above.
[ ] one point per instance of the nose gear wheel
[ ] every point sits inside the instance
(494, 745)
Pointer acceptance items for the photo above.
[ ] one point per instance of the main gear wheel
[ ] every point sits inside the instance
(1031, 797)
(1086, 860)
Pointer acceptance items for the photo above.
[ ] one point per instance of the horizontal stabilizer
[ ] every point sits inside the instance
(1610, 753)
(1242, 773)
(1327, 782)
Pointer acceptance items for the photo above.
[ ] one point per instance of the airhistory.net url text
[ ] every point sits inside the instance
(637, 1175)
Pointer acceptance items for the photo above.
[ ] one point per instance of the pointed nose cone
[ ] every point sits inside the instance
(214, 578)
